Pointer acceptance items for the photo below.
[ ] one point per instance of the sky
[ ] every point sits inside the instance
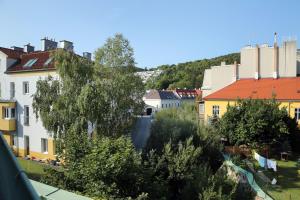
(160, 31)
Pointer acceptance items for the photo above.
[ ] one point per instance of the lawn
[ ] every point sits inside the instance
(33, 169)
(288, 185)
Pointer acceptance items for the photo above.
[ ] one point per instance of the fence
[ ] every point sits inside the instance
(259, 192)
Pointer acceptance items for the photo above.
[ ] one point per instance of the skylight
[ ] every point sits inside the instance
(30, 62)
(48, 61)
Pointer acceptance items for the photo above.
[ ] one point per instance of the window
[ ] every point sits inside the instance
(162, 105)
(13, 113)
(25, 87)
(48, 61)
(12, 90)
(9, 113)
(44, 145)
(201, 108)
(14, 140)
(216, 111)
(6, 112)
(30, 62)
(26, 115)
(297, 114)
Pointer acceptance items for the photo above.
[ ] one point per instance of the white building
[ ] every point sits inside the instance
(20, 69)
(156, 100)
(260, 61)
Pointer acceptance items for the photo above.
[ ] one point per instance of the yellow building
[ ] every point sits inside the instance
(285, 90)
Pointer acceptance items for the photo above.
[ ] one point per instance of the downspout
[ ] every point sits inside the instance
(275, 61)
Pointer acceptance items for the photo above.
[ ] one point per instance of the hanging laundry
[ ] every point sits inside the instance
(256, 156)
(272, 164)
(262, 161)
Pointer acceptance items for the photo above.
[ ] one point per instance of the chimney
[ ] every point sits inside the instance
(28, 48)
(48, 44)
(235, 71)
(87, 55)
(275, 61)
(17, 48)
(67, 45)
(257, 62)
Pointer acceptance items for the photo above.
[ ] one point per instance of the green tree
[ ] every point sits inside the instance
(187, 75)
(255, 122)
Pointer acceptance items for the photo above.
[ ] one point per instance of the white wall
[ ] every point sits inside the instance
(35, 130)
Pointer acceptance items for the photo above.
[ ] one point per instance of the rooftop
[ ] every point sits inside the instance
(266, 88)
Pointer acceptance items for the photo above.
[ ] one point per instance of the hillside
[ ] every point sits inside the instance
(187, 75)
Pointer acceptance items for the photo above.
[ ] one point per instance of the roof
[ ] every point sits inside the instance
(14, 54)
(188, 94)
(265, 88)
(160, 94)
(39, 65)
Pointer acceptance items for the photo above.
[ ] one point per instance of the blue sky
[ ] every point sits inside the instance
(160, 31)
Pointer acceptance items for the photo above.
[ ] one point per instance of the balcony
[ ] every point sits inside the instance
(7, 115)
(7, 124)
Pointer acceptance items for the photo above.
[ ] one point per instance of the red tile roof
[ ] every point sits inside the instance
(42, 57)
(282, 88)
(12, 53)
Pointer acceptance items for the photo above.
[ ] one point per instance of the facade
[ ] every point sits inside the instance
(284, 90)
(260, 61)
(156, 100)
(20, 69)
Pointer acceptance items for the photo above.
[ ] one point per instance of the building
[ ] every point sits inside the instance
(187, 95)
(260, 61)
(263, 71)
(20, 69)
(147, 75)
(156, 100)
(284, 90)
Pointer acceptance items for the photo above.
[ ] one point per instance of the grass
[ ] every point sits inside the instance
(33, 169)
(288, 181)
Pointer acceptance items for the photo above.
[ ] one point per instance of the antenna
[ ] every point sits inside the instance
(275, 38)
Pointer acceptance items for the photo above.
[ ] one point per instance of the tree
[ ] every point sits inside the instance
(116, 52)
(187, 75)
(108, 99)
(255, 122)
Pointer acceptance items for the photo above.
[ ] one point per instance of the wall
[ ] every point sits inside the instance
(216, 78)
(290, 106)
(35, 130)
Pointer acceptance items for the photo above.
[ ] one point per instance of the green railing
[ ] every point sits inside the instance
(249, 176)
(14, 183)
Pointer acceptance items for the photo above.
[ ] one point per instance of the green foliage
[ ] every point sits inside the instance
(256, 122)
(187, 75)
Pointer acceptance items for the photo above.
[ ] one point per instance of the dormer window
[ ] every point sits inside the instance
(48, 61)
(30, 62)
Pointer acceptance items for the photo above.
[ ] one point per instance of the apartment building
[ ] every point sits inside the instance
(264, 71)
(259, 61)
(20, 69)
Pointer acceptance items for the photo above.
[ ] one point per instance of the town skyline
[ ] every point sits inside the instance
(160, 33)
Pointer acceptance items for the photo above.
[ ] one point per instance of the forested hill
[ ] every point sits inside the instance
(187, 75)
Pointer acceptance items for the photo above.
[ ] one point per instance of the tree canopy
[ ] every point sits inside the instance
(255, 122)
(187, 75)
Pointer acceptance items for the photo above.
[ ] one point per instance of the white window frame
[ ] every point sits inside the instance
(8, 113)
(297, 114)
(44, 145)
(201, 108)
(25, 87)
(26, 115)
(12, 88)
(216, 110)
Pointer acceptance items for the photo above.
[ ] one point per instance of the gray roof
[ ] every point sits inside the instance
(160, 94)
